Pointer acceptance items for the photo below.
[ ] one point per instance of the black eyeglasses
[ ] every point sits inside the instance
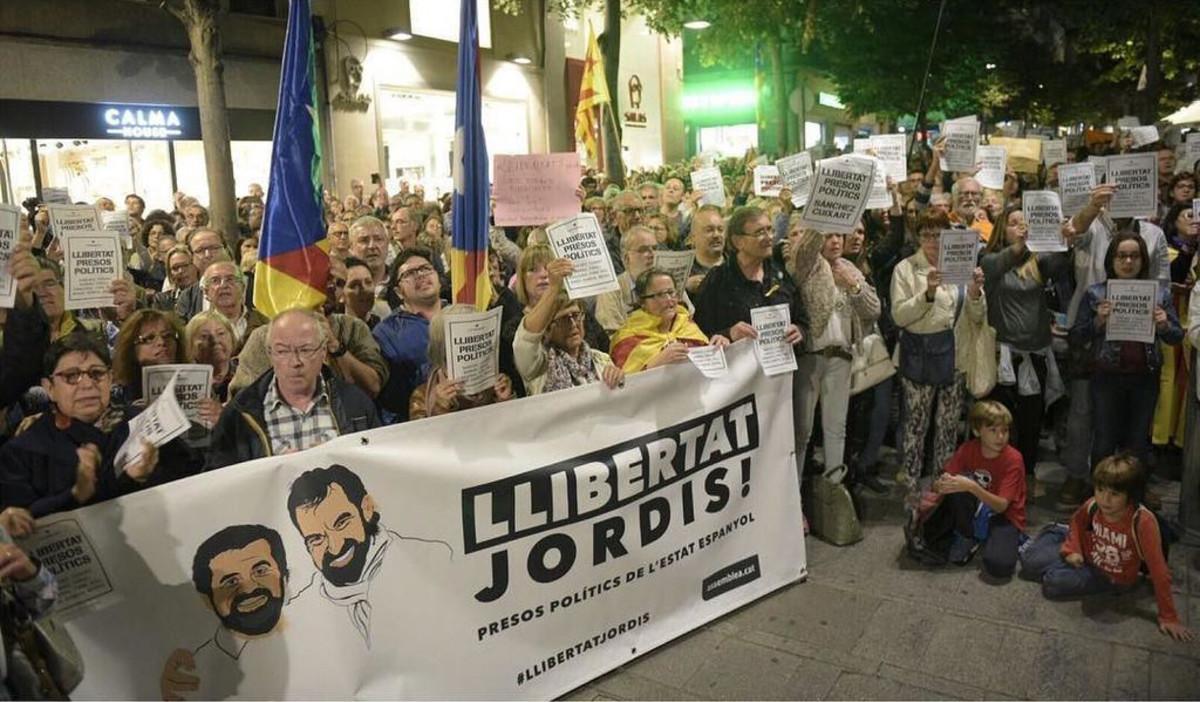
(71, 377)
(570, 319)
(662, 295)
(416, 272)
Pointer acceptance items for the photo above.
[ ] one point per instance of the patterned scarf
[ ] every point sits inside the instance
(563, 371)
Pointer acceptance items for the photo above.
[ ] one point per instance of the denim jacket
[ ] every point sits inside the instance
(1107, 354)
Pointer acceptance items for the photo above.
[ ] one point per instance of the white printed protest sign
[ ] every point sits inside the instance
(1143, 136)
(473, 349)
(993, 162)
(10, 222)
(1075, 184)
(1128, 122)
(840, 192)
(892, 150)
(193, 383)
(580, 239)
(63, 548)
(879, 198)
(92, 260)
(677, 263)
(709, 182)
(1100, 167)
(710, 360)
(118, 221)
(962, 139)
(767, 182)
(775, 354)
(539, 559)
(1054, 151)
(1132, 316)
(796, 171)
(1136, 178)
(862, 145)
(65, 219)
(1044, 218)
(535, 188)
(957, 251)
(161, 421)
(56, 196)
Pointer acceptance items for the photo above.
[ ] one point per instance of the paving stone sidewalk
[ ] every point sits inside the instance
(870, 624)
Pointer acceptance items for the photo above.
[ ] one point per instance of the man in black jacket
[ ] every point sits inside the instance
(293, 406)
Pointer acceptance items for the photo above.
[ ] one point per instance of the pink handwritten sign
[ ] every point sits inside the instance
(535, 188)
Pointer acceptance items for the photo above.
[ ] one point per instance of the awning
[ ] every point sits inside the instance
(1189, 114)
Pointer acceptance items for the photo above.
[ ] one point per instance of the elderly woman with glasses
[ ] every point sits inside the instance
(148, 338)
(549, 348)
(63, 459)
(660, 331)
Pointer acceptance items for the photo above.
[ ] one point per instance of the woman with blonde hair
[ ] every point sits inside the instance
(209, 339)
(1014, 283)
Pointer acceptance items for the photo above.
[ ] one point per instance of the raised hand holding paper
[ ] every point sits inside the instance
(709, 182)
(1143, 136)
(766, 181)
(92, 260)
(65, 219)
(1132, 316)
(1044, 217)
(580, 239)
(994, 163)
(1136, 178)
(473, 349)
(535, 188)
(962, 138)
(10, 221)
(1054, 151)
(839, 194)
(797, 172)
(957, 249)
(1075, 184)
(775, 354)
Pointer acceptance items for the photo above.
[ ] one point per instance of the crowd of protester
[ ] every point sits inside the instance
(373, 353)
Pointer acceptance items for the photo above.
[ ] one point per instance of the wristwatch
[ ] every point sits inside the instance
(341, 351)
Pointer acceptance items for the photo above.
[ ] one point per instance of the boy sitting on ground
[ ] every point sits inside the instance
(1110, 537)
(980, 500)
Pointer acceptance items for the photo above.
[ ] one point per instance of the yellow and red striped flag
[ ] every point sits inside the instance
(593, 92)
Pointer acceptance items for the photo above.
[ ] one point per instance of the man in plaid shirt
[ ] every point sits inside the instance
(296, 404)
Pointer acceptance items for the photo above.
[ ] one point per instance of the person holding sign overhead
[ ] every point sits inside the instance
(660, 331)
(549, 347)
(926, 311)
(1014, 279)
(1124, 381)
(442, 394)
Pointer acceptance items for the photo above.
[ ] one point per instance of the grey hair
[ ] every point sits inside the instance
(436, 351)
(957, 185)
(367, 221)
(627, 240)
(237, 272)
(316, 318)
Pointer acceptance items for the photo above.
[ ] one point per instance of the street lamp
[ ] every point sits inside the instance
(697, 24)
(990, 66)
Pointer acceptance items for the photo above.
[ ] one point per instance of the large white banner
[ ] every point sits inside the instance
(515, 551)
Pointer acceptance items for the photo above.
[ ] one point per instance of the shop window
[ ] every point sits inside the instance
(730, 141)
(438, 19)
(88, 168)
(16, 171)
(841, 137)
(251, 164)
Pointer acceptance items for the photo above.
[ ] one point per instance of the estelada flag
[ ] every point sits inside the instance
(293, 258)
(469, 277)
(593, 92)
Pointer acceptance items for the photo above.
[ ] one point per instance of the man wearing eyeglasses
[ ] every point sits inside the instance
(967, 196)
(62, 459)
(207, 247)
(627, 212)
(224, 287)
(637, 253)
(404, 336)
(293, 406)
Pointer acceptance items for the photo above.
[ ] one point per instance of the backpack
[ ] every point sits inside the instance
(1166, 535)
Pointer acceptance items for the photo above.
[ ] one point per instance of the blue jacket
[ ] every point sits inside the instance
(1106, 355)
(403, 339)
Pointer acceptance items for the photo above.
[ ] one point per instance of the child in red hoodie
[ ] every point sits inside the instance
(1110, 536)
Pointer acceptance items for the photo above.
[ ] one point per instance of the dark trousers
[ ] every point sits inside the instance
(956, 515)
(1027, 411)
(1122, 413)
